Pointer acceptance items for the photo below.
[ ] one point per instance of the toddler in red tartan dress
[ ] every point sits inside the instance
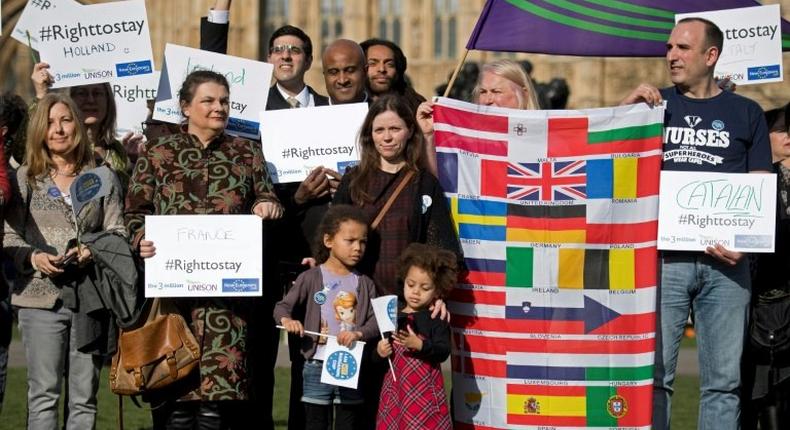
(417, 399)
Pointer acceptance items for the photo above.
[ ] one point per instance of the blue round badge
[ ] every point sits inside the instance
(87, 186)
(717, 125)
(341, 365)
(319, 297)
(53, 192)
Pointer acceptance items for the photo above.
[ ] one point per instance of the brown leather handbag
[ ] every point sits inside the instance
(155, 354)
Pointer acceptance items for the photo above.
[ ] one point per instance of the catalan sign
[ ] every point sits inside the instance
(752, 52)
(249, 86)
(554, 323)
(95, 43)
(702, 209)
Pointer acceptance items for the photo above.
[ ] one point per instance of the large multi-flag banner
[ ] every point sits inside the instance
(554, 325)
(607, 28)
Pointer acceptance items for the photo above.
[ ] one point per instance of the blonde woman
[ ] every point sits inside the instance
(38, 228)
(98, 115)
(501, 83)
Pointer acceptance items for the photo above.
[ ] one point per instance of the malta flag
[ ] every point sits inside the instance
(554, 322)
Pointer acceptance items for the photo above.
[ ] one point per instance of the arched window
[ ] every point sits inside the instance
(331, 21)
(445, 28)
(275, 16)
(390, 14)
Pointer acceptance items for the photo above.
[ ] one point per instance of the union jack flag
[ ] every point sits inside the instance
(547, 181)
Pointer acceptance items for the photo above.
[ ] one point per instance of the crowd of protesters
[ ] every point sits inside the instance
(333, 242)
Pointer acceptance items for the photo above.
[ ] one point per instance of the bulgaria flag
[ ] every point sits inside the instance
(554, 324)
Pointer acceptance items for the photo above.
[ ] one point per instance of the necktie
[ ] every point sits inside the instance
(293, 102)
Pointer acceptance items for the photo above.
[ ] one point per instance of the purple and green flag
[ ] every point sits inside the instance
(605, 28)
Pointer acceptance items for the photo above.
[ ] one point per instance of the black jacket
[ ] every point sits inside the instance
(107, 292)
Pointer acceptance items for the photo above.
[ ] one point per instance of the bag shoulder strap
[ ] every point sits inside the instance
(391, 199)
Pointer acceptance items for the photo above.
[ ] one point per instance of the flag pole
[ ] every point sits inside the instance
(455, 73)
(389, 359)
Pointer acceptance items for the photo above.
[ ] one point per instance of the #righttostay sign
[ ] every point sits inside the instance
(248, 80)
(752, 52)
(701, 209)
(90, 44)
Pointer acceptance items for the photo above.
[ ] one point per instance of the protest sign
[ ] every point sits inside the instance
(36, 12)
(130, 101)
(96, 43)
(752, 52)
(702, 209)
(203, 256)
(385, 308)
(93, 184)
(248, 79)
(295, 141)
(342, 365)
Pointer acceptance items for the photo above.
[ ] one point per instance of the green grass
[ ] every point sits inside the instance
(684, 414)
(685, 403)
(15, 409)
(688, 342)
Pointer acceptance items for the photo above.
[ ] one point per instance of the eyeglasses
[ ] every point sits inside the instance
(84, 93)
(292, 49)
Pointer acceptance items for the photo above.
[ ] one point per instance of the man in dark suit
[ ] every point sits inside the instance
(291, 54)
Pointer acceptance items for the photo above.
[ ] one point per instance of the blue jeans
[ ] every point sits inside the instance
(719, 296)
(49, 352)
(317, 393)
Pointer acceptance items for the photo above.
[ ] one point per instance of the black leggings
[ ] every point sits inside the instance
(222, 415)
(319, 417)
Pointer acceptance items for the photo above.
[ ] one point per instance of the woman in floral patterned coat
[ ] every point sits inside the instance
(203, 171)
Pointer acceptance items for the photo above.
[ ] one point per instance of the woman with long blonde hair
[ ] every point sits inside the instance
(98, 114)
(501, 83)
(39, 236)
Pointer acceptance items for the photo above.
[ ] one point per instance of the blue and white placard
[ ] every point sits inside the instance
(93, 43)
(342, 365)
(292, 150)
(752, 52)
(385, 308)
(249, 86)
(701, 209)
(204, 256)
